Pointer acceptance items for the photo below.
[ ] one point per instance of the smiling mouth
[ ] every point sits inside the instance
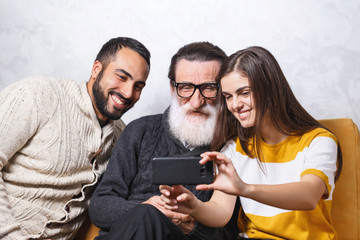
(119, 101)
(243, 115)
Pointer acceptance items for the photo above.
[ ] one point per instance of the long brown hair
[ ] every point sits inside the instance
(272, 96)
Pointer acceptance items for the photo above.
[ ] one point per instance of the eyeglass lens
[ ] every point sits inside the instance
(207, 90)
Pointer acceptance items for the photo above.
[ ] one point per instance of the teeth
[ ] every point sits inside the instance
(117, 99)
(244, 114)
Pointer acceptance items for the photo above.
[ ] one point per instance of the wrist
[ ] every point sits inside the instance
(195, 209)
(248, 191)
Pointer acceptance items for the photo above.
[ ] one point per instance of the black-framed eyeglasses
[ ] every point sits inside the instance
(207, 90)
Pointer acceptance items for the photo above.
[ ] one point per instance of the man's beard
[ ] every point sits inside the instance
(101, 101)
(193, 130)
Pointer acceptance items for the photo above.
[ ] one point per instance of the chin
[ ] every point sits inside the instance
(246, 124)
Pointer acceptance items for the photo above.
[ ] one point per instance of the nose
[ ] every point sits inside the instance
(196, 100)
(237, 103)
(127, 90)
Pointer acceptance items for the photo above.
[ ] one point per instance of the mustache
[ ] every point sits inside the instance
(126, 100)
(204, 110)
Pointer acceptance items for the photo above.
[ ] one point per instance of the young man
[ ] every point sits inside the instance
(56, 140)
(126, 203)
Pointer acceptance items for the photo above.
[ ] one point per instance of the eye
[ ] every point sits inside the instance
(139, 86)
(121, 77)
(245, 92)
(185, 87)
(227, 97)
(209, 87)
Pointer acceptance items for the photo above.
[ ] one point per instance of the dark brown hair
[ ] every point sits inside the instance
(272, 95)
(110, 48)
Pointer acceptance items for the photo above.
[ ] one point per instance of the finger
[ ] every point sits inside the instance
(182, 197)
(210, 154)
(169, 201)
(204, 160)
(223, 158)
(205, 187)
(171, 207)
(164, 187)
(165, 190)
(179, 215)
(177, 189)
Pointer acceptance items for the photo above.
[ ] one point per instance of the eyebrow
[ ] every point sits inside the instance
(129, 75)
(237, 90)
(124, 72)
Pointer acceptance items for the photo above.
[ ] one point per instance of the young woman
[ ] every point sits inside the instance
(278, 159)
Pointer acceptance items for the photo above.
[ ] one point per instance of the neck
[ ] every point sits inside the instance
(103, 122)
(270, 134)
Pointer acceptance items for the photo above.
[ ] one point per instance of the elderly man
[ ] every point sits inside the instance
(126, 203)
(56, 140)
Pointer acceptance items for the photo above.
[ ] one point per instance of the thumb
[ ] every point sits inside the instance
(205, 187)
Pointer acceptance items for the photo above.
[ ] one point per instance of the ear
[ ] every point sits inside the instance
(172, 89)
(96, 69)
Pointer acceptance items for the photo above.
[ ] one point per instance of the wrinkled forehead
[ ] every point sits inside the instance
(196, 72)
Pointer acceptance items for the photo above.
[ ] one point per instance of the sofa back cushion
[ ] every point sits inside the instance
(346, 198)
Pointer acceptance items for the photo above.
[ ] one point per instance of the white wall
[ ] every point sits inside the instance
(317, 43)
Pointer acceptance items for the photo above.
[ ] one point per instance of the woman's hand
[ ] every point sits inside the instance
(178, 199)
(214, 213)
(227, 179)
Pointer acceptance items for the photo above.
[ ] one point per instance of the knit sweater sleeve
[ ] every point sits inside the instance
(19, 120)
(111, 197)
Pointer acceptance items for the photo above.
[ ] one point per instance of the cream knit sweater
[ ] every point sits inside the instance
(52, 153)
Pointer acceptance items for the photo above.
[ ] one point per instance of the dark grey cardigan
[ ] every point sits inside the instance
(127, 181)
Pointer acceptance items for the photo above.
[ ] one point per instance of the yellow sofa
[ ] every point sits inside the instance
(346, 199)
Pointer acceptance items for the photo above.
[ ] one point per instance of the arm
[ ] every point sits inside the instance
(303, 195)
(112, 197)
(228, 232)
(19, 121)
(127, 180)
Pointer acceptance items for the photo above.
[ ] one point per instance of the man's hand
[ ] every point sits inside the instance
(156, 202)
(187, 223)
(184, 221)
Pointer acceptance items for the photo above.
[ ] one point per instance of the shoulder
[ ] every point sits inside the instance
(230, 147)
(149, 121)
(35, 91)
(138, 131)
(138, 128)
(41, 86)
(318, 134)
(32, 84)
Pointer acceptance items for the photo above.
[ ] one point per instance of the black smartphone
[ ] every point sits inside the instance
(181, 171)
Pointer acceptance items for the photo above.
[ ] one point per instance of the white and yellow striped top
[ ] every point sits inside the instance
(312, 153)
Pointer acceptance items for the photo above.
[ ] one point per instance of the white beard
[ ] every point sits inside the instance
(194, 130)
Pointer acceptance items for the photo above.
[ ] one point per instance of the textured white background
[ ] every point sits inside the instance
(316, 42)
